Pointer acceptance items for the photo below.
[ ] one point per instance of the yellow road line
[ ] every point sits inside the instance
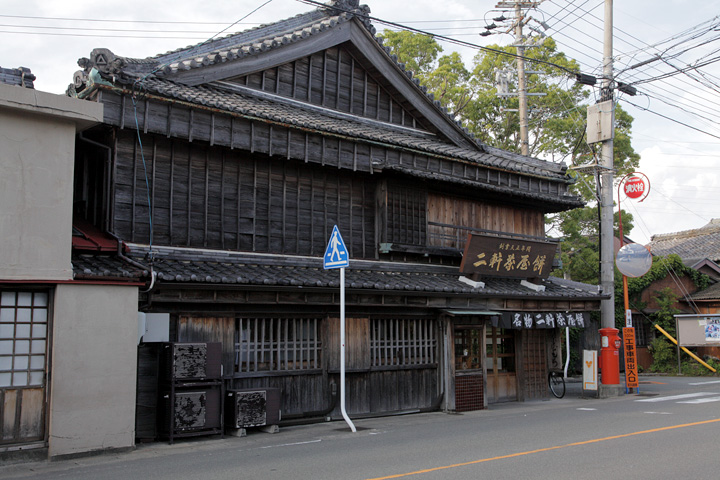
(530, 452)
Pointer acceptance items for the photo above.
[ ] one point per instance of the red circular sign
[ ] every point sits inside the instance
(634, 187)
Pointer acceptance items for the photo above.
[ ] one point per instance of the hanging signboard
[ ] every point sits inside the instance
(631, 373)
(527, 320)
(507, 257)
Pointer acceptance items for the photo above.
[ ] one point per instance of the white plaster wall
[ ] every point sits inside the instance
(37, 147)
(94, 365)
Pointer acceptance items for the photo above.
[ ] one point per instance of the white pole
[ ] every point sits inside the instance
(567, 349)
(342, 351)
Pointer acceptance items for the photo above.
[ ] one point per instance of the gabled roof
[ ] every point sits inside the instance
(204, 77)
(267, 46)
(692, 246)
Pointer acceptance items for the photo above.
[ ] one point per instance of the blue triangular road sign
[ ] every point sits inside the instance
(336, 254)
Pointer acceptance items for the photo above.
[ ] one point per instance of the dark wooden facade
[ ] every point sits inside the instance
(259, 151)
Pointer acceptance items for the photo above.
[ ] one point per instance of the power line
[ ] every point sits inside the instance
(671, 119)
(441, 37)
(69, 19)
(82, 35)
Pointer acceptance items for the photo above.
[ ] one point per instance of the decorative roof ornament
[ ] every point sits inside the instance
(353, 7)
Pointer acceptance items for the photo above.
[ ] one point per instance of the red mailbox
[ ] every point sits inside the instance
(610, 356)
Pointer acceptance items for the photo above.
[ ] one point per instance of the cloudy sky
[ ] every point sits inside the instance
(666, 48)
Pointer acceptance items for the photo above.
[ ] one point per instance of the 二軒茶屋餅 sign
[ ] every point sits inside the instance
(507, 257)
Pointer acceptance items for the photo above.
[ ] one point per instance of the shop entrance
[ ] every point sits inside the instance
(469, 356)
(500, 365)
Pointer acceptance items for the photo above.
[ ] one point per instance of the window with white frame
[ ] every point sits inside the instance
(23, 338)
(277, 344)
(403, 341)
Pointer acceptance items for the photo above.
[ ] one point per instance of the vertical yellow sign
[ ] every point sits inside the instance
(631, 375)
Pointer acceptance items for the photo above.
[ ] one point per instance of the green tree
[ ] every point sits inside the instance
(555, 120)
(665, 298)
(556, 124)
(445, 77)
(418, 52)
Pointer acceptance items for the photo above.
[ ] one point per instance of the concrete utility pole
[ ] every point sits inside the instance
(607, 253)
(522, 80)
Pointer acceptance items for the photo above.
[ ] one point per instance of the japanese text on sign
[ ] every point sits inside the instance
(507, 257)
(631, 375)
(526, 320)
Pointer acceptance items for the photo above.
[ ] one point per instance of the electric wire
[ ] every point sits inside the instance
(656, 83)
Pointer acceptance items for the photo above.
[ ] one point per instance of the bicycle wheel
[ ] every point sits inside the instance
(557, 384)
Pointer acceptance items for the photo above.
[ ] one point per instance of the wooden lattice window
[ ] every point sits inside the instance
(277, 344)
(403, 341)
(407, 215)
(23, 338)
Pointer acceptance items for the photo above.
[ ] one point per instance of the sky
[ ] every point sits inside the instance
(674, 128)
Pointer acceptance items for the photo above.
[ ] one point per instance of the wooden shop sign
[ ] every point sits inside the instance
(507, 257)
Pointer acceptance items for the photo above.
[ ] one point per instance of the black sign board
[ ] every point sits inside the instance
(507, 257)
(528, 320)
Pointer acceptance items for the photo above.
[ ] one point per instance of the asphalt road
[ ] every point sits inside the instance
(669, 430)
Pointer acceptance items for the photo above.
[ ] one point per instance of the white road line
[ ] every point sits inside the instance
(676, 397)
(702, 400)
(587, 409)
(705, 383)
(658, 413)
(293, 444)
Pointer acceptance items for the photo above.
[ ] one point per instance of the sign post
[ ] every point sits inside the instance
(631, 371)
(337, 256)
(634, 261)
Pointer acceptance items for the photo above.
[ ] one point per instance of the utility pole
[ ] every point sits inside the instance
(607, 251)
(522, 93)
(522, 82)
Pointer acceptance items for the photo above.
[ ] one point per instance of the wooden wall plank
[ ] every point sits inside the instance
(211, 329)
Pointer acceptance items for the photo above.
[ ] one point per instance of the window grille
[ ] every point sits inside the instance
(407, 215)
(277, 344)
(23, 338)
(403, 341)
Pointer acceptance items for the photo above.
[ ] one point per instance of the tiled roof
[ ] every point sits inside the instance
(17, 76)
(262, 38)
(564, 201)
(89, 266)
(247, 43)
(710, 293)
(690, 245)
(211, 267)
(246, 102)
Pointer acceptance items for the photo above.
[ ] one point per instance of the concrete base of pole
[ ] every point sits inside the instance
(604, 391)
(607, 391)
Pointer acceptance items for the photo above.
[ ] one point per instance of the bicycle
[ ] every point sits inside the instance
(556, 381)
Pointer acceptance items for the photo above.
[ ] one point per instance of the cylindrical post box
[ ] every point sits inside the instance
(610, 356)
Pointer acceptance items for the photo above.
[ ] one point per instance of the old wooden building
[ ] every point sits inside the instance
(223, 168)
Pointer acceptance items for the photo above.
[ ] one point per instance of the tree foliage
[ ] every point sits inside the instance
(666, 299)
(556, 123)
